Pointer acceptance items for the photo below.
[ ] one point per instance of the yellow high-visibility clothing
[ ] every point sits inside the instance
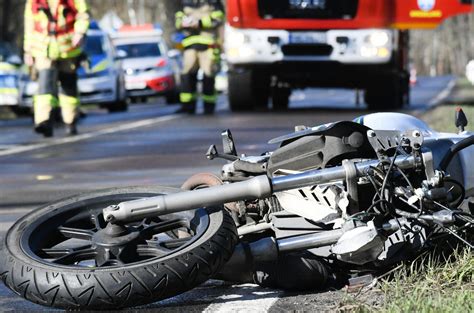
(50, 26)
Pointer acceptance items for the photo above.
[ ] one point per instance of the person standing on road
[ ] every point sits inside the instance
(200, 20)
(54, 32)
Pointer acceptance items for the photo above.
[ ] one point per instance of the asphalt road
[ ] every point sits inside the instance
(152, 145)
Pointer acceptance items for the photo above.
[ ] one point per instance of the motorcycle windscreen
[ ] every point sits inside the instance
(308, 9)
(427, 14)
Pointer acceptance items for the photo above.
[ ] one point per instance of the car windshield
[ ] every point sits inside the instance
(94, 45)
(139, 50)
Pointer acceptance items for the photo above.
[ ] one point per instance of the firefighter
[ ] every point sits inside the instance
(54, 32)
(200, 20)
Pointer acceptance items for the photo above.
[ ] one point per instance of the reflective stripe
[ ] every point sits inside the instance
(209, 98)
(217, 15)
(186, 97)
(101, 66)
(7, 67)
(39, 43)
(68, 101)
(206, 22)
(179, 19)
(9, 91)
(198, 39)
(40, 100)
(81, 27)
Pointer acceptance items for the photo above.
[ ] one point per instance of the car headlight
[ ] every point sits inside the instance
(379, 38)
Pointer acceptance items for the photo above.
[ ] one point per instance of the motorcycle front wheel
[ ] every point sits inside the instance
(65, 255)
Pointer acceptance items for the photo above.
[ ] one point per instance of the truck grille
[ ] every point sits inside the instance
(307, 50)
(308, 9)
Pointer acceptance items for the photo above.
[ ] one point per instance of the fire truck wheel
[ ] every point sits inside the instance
(281, 98)
(385, 96)
(248, 90)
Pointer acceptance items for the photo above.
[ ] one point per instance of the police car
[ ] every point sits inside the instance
(101, 79)
(10, 71)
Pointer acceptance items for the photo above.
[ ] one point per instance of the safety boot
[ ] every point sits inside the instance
(187, 109)
(71, 129)
(45, 128)
(209, 108)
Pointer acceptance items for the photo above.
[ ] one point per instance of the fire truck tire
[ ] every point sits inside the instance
(248, 90)
(281, 98)
(385, 96)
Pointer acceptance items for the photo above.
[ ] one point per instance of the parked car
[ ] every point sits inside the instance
(150, 67)
(101, 79)
(10, 71)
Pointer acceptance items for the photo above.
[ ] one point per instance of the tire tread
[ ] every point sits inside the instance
(104, 288)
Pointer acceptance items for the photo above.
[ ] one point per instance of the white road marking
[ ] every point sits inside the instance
(246, 299)
(443, 94)
(62, 141)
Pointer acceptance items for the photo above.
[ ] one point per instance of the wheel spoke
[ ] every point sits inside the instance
(174, 243)
(151, 251)
(162, 227)
(76, 233)
(76, 256)
(54, 253)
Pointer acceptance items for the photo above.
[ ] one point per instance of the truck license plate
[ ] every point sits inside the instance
(307, 38)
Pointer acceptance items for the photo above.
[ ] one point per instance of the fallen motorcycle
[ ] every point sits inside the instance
(330, 203)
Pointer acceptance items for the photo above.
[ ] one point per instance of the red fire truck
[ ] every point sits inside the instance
(275, 46)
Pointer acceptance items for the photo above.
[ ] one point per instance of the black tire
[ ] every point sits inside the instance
(21, 110)
(299, 271)
(387, 95)
(119, 106)
(172, 97)
(110, 287)
(248, 90)
(281, 98)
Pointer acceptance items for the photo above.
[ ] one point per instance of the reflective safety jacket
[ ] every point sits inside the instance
(209, 14)
(50, 26)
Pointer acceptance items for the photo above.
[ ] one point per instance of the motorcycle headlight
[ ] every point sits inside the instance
(379, 39)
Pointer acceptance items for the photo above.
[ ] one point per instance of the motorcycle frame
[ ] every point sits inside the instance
(258, 187)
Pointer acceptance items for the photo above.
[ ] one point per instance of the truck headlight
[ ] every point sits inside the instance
(237, 38)
(242, 52)
(379, 38)
(368, 51)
